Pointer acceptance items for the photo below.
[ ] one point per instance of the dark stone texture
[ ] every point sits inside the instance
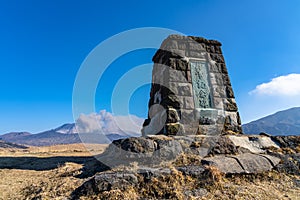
(174, 128)
(253, 163)
(106, 181)
(172, 116)
(230, 105)
(225, 164)
(287, 141)
(229, 92)
(173, 78)
(242, 163)
(223, 146)
(219, 151)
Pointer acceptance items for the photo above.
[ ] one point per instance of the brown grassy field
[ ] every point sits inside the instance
(54, 172)
(44, 172)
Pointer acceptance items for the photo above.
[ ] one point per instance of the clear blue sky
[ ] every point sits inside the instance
(43, 43)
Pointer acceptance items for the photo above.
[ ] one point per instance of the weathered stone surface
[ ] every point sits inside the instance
(187, 116)
(222, 152)
(255, 144)
(223, 146)
(253, 163)
(197, 54)
(146, 151)
(273, 160)
(185, 89)
(287, 141)
(290, 163)
(210, 130)
(177, 76)
(188, 103)
(225, 164)
(230, 105)
(172, 115)
(190, 74)
(181, 65)
(174, 128)
(106, 181)
(242, 163)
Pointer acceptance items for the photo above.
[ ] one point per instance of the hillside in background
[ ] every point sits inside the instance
(4, 144)
(286, 122)
(111, 128)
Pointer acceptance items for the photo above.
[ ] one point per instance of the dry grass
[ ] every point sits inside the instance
(270, 185)
(36, 173)
(171, 186)
(59, 182)
(55, 150)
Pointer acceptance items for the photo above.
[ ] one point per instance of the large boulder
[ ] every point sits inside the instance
(242, 163)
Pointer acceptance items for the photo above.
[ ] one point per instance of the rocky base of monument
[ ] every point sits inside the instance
(186, 167)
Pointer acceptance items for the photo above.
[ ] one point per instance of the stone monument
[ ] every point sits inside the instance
(191, 91)
(192, 133)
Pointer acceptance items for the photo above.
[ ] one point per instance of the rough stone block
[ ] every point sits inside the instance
(219, 91)
(230, 105)
(254, 145)
(229, 92)
(187, 116)
(218, 50)
(185, 89)
(210, 48)
(171, 101)
(173, 87)
(188, 103)
(253, 163)
(174, 128)
(216, 79)
(224, 164)
(226, 80)
(172, 116)
(177, 76)
(195, 46)
(196, 54)
(209, 130)
(181, 65)
(217, 57)
(214, 67)
(171, 45)
(223, 68)
(218, 103)
(207, 116)
(182, 45)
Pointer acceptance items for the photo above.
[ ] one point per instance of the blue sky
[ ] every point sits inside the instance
(43, 44)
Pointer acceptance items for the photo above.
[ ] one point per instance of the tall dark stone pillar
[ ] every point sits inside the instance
(191, 92)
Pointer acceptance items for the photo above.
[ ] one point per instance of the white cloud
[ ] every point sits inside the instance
(288, 85)
(107, 123)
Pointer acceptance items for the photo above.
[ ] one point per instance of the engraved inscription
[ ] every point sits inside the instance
(201, 85)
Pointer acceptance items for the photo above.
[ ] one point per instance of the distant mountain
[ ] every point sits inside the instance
(69, 128)
(285, 122)
(14, 135)
(111, 128)
(4, 144)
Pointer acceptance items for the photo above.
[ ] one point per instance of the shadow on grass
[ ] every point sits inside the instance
(90, 164)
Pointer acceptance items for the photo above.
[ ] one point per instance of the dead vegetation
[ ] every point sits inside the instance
(43, 172)
(59, 182)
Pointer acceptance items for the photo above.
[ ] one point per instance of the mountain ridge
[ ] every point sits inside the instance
(89, 126)
(284, 122)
